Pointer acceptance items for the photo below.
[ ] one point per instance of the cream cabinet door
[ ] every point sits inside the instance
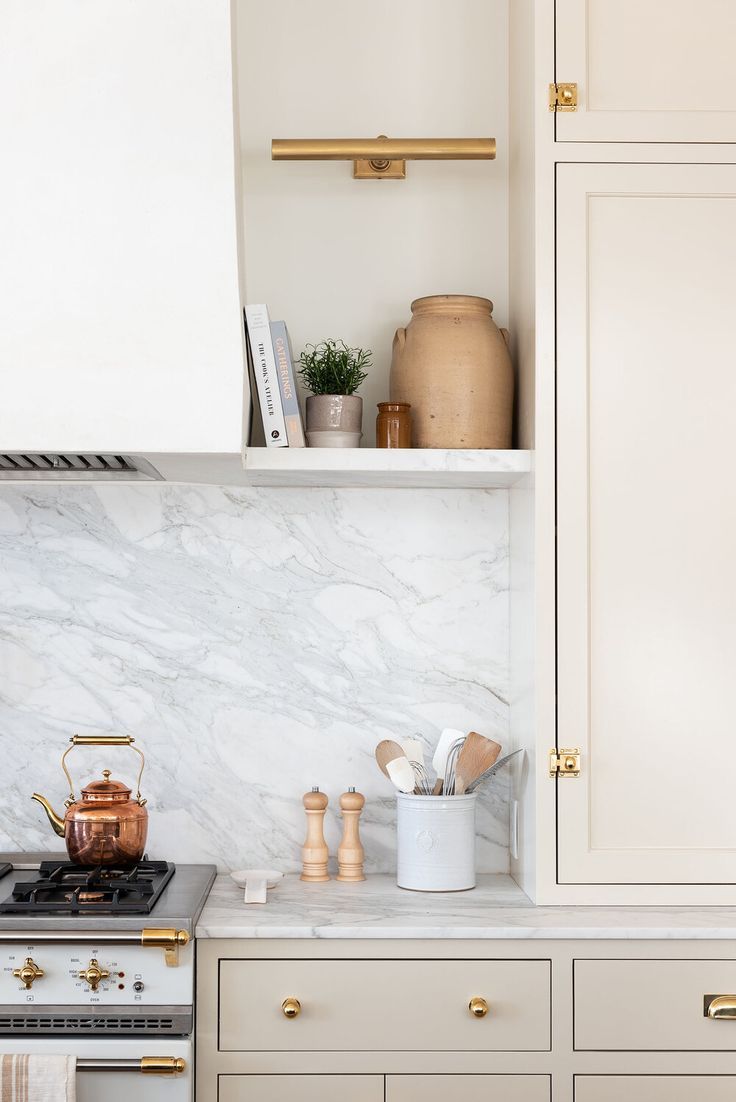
(468, 1088)
(306, 1088)
(655, 1088)
(648, 70)
(646, 507)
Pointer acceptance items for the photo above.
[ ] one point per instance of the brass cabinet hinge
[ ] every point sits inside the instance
(564, 763)
(563, 97)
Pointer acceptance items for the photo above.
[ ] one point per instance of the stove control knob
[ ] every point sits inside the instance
(93, 973)
(28, 973)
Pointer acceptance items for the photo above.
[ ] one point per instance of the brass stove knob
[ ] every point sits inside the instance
(93, 973)
(291, 1007)
(28, 973)
(478, 1007)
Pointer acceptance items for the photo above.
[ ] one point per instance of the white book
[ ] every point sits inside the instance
(264, 369)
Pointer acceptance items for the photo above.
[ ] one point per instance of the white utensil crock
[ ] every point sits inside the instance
(436, 843)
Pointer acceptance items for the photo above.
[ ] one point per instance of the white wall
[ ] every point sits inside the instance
(341, 257)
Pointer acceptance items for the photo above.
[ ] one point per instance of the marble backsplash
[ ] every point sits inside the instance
(255, 643)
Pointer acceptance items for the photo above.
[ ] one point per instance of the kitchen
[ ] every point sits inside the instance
(259, 619)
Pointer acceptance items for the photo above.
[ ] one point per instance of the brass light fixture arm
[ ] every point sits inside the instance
(382, 157)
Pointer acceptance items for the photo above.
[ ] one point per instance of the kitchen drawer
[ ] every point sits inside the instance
(652, 1004)
(469, 1088)
(307, 1088)
(373, 1005)
(655, 1088)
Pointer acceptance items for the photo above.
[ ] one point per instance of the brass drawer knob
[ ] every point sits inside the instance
(28, 973)
(478, 1007)
(291, 1007)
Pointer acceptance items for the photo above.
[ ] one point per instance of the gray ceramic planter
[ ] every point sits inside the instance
(341, 414)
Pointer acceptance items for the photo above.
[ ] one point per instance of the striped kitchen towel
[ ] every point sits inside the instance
(38, 1078)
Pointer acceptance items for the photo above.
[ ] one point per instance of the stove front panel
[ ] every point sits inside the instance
(138, 976)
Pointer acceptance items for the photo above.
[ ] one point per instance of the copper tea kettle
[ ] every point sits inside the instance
(105, 827)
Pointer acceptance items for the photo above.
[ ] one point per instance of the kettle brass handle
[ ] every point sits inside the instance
(291, 1007)
(478, 1007)
(102, 740)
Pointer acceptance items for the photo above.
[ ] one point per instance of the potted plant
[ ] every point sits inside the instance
(333, 372)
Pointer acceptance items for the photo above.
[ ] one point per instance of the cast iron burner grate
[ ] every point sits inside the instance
(75, 889)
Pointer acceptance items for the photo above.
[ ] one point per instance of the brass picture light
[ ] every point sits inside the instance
(382, 158)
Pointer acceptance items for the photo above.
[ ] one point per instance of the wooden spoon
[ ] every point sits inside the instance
(387, 751)
(477, 754)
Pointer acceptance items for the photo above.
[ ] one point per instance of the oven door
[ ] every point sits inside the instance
(116, 1070)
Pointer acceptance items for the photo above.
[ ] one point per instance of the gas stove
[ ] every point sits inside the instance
(104, 958)
(63, 888)
(45, 892)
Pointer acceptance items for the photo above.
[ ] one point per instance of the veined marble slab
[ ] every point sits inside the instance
(496, 908)
(255, 643)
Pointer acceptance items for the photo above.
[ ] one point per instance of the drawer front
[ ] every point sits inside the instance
(652, 1004)
(306, 1088)
(373, 1005)
(655, 1088)
(468, 1088)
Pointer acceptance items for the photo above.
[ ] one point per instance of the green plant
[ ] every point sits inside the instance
(333, 368)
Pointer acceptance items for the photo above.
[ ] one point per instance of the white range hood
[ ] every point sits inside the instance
(121, 333)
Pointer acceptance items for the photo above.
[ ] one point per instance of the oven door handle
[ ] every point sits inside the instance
(147, 1065)
(168, 939)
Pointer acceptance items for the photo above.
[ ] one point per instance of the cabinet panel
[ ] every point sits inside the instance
(471, 1088)
(360, 1005)
(307, 1088)
(648, 74)
(655, 1088)
(652, 1005)
(646, 393)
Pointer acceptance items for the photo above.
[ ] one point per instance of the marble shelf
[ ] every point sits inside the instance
(416, 468)
(495, 909)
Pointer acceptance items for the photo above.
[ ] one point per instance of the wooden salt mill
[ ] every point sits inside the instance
(350, 852)
(314, 851)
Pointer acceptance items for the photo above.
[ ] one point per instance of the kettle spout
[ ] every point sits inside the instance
(56, 822)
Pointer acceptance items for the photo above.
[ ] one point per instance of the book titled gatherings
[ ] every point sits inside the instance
(273, 383)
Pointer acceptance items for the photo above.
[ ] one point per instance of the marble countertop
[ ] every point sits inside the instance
(496, 908)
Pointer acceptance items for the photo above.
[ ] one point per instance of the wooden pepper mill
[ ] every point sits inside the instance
(350, 852)
(314, 851)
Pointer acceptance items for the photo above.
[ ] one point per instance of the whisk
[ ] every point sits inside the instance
(448, 788)
(424, 782)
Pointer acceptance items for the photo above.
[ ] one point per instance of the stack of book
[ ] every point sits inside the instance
(276, 417)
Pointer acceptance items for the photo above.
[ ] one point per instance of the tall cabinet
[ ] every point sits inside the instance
(633, 269)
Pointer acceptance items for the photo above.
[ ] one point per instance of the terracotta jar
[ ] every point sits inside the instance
(393, 425)
(452, 365)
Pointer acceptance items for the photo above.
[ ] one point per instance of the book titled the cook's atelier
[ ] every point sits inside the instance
(287, 384)
(264, 368)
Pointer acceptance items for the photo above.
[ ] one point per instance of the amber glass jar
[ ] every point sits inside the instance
(393, 425)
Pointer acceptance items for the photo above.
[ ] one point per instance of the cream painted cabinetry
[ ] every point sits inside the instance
(655, 1088)
(648, 71)
(470, 1088)
(623, 296)
(306, 1088)
(622, 1020)
(646, 515)
(349, 1004)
